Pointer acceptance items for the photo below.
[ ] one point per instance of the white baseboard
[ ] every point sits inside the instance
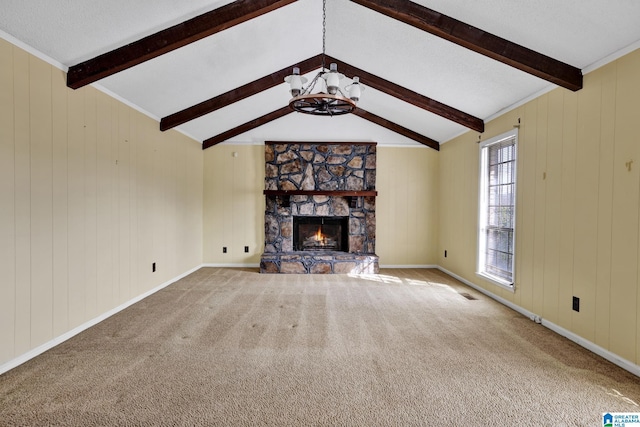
(407, 266)
(600, 351)
(62, 338)
(231, 265)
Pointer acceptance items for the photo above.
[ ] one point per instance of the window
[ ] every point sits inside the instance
(497, 211)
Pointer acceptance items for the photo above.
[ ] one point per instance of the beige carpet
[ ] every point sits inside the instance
(233, 347)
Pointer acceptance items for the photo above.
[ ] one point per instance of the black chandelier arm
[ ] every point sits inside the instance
(322, 104)
(312, 84)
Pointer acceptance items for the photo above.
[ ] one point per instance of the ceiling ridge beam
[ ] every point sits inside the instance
(237, 94)
(397, 128)
(169, 39)
(414, 98)
(479, 41)
(210, 142)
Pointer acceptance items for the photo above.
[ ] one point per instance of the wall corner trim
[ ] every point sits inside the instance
(70, 334)
(594, 348)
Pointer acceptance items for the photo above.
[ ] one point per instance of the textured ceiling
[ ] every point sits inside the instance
(580, 33)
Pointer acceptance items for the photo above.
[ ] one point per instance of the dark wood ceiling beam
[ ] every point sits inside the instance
(479, 41)
(210, 142)
(237, 94)
(397, 128)
(414, 98)
(281, 112)
(306, 66)
(169, 39)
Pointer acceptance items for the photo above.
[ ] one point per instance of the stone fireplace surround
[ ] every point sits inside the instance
(319, 179)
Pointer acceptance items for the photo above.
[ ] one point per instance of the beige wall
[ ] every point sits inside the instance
(91, 194)
(406, 208)
(233, 204)
(578, 207)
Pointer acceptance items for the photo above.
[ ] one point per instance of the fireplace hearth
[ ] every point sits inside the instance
(320, 208)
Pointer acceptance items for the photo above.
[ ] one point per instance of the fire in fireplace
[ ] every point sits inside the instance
(317, 233)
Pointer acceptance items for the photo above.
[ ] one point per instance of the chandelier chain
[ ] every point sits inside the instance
(332, 103)
(324, 30)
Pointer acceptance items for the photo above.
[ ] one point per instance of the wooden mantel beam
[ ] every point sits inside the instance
(169, 39)
(479, 41)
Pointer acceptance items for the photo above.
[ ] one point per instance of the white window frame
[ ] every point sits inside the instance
(483, 209)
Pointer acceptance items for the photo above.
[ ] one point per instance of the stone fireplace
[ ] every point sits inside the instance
(320, 208)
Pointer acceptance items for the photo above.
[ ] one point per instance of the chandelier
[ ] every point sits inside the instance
(330, 100)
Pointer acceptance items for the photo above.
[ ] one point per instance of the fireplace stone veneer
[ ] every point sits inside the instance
(320, 180)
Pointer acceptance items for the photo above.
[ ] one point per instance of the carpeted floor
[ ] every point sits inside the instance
(230, 347)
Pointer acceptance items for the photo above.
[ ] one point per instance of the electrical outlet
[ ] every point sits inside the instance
(153, 267)
(576, 304)
(224, 249)
(246, 249)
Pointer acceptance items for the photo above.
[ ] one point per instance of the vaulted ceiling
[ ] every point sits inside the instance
(433, 69)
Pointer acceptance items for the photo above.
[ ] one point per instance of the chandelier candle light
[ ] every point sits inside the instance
(333, 101)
